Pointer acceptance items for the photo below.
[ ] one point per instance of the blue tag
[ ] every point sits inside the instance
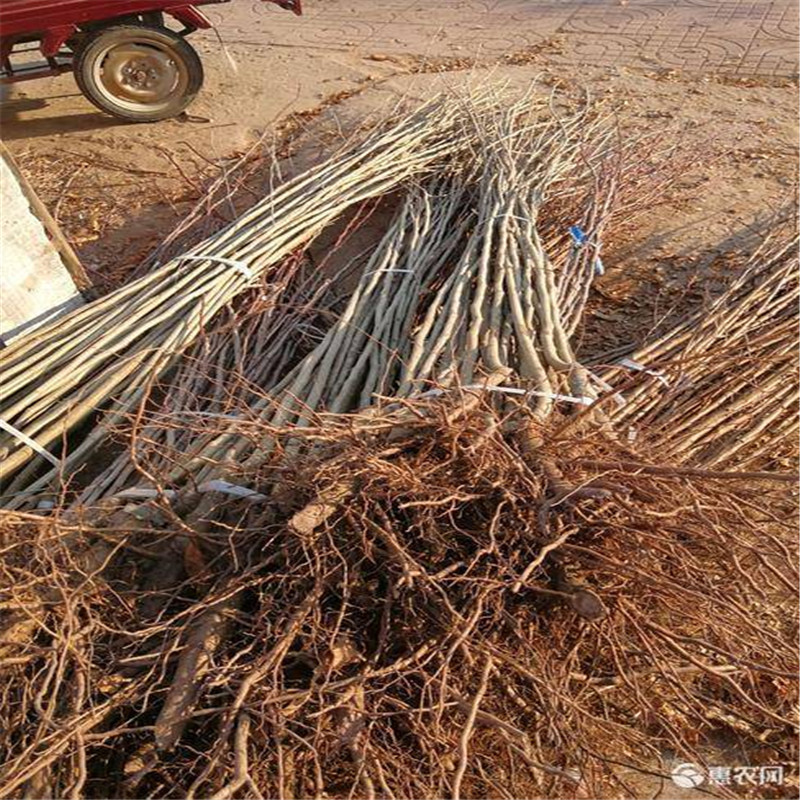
(578, 236)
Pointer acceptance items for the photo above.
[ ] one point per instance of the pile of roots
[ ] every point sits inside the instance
(404, 543)
(419, 611)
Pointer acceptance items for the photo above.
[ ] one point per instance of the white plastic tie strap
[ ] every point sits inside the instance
(607, 387)
(208, 414)
(389, 269)
(584, 400)
(142, 493)
(513, 216)
(26, 440)
(637, 367)
(565, 398)
(232, 489)
(230, 262)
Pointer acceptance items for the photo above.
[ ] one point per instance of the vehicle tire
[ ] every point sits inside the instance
(140, 73)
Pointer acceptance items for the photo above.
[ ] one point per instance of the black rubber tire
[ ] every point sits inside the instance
(95, 48)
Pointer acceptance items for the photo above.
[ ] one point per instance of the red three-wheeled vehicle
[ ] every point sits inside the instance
(129, 57)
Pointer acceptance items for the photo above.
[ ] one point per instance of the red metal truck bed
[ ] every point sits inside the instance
(20, 17)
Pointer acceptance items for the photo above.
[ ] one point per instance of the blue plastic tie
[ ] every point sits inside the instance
(580, 239)
(578, 235)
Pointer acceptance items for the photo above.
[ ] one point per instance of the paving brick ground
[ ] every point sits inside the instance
(741, 38)
(118, 175)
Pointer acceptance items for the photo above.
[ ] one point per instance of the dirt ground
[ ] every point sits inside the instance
(720, 76)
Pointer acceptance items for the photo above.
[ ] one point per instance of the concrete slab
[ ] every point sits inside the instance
(35, 285)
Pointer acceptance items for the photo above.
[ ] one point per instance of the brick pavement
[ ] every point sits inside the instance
(738, 38)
